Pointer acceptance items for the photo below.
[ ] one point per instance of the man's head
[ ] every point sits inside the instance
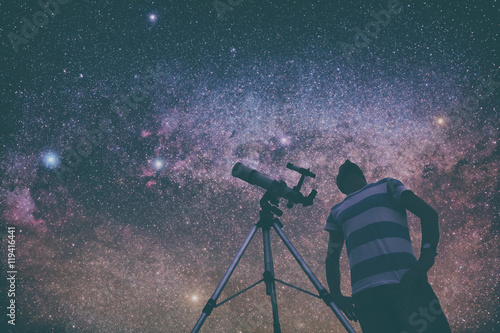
(350, 178)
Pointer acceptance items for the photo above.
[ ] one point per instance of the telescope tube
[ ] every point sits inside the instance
(254, 177)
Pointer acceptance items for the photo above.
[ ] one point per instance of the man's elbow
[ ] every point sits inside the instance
(418, 206)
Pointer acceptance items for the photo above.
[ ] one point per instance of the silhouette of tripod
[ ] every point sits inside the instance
(268, 204)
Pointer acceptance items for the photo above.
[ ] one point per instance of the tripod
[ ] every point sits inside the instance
(268, 204)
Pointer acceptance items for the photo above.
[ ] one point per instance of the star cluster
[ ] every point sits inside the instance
(121, 124)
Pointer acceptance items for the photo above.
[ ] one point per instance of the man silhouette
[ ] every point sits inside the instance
(390, 291)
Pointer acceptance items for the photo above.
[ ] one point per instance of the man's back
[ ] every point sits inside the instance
(376, 234)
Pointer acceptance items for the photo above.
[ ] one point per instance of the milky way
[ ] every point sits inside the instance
(121, 124)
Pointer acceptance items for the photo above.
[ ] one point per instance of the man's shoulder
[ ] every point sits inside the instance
(390, 183)
(336, 207)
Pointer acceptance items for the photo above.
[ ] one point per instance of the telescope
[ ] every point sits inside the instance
(279, 188)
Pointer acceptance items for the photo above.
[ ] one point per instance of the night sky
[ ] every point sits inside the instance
(120, 122)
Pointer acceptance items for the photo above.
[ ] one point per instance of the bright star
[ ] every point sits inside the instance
(158, 164)
(51, 160)
(152, 18)
(285, 141)
(440, 121)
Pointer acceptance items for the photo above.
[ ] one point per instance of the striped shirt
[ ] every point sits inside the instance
(376, 234)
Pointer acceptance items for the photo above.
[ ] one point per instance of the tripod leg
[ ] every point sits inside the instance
(213, 300)
(321, 290)
(269, 277)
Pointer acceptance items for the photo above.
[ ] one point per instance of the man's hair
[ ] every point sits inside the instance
(344, 170)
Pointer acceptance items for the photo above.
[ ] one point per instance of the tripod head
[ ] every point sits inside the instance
(277, 188)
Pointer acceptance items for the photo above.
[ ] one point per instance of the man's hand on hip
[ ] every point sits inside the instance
(419, 270)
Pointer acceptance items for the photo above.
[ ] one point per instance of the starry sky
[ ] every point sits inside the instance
(120, 122)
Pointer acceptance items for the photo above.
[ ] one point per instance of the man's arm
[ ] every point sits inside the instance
(333, 275)
(430, 235)
(428, 217)
(333, 261)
